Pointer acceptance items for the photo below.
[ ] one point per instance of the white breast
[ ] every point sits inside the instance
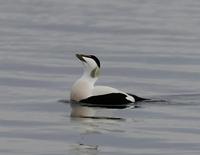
(81, 90)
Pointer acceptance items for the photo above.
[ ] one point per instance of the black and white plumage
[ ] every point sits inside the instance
(85, 91)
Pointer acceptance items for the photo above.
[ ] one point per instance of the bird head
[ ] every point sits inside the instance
(91, 64)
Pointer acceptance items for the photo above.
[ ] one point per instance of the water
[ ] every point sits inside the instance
(147, 47)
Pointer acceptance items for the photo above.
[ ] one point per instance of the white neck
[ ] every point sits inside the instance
(87, 77)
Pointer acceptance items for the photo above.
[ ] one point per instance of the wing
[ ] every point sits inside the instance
(108, 99)
(102, 90)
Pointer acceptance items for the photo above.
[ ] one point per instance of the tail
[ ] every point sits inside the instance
(140, 99)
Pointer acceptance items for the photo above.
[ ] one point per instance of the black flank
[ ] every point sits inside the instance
(107, 99)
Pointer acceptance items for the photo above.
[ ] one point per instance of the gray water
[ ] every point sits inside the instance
(150, 48)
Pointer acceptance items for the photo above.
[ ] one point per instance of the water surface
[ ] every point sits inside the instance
(147, 47)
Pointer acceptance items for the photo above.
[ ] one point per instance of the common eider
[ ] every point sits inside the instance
(85, 91)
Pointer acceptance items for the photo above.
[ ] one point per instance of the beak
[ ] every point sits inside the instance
(80, 57)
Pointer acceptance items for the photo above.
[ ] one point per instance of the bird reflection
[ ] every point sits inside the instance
(92, 121)
(78, 110)
(82, 149)
(92, 124)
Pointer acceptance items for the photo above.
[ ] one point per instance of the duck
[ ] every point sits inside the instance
(84, 89)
